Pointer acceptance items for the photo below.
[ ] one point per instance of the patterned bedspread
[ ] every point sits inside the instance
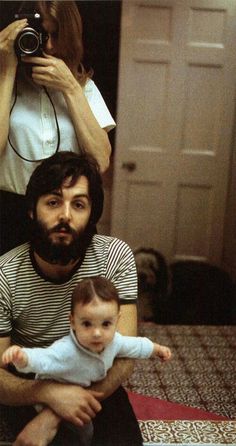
(202, 374)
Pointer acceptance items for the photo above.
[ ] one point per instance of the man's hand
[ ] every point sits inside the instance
(40, 431)
(71, 402)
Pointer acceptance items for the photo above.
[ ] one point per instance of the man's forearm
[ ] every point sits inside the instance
(121, 370)
(16, 391)
(65, 401)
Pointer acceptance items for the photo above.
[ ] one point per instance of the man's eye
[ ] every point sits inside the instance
(52, 203)
(79, 205)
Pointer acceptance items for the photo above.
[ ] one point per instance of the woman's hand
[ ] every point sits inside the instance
(52, 72)
(8, 59)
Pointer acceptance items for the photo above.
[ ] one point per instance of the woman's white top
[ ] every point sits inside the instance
(33, 131)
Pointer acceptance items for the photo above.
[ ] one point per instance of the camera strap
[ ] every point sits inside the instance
(56, 121)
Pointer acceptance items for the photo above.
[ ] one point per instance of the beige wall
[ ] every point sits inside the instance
(104, 225)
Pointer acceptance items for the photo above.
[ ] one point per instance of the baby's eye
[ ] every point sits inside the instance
(86, 324)
(106, 323)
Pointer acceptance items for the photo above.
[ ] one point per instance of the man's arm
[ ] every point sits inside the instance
(122, 368)
(68, 401)
(14, 391)
(17, 391)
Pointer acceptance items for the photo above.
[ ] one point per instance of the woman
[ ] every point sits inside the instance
(48, 103)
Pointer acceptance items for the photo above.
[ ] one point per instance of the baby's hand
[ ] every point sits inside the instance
(16, 355)
(162, 352)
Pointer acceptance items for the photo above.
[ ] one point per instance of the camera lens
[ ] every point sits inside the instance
(28, 41)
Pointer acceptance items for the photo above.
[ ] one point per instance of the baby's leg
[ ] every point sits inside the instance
(84, 433)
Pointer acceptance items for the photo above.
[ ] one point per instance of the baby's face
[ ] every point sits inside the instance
(95, 323)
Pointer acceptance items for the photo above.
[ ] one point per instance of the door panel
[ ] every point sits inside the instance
(175, 120)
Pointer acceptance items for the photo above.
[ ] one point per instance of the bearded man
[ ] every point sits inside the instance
(65, 202)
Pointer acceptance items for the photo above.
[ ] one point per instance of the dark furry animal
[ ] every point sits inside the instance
(185, 292)
(201, 294)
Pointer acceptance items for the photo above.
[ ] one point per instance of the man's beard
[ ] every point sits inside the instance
(59, 252)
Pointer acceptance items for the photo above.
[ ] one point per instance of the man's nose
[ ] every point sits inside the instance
(65, 213)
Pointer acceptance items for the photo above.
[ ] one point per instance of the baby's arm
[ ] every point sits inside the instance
(162, 352)
(16, 355)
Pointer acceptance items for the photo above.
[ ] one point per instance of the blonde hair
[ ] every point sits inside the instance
(70, 28)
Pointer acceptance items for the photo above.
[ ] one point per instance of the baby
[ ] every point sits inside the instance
(87, 353)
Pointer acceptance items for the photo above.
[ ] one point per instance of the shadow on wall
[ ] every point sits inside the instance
(101, 37)
(185, 292)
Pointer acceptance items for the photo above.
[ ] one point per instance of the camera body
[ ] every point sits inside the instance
(30, 41)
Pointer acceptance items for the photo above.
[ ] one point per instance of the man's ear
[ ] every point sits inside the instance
(30, 214)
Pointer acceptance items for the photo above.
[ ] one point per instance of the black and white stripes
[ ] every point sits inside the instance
(34, 310)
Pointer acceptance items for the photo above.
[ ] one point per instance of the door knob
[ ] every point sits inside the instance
(129, 165)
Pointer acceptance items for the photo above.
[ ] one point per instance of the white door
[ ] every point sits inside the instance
(175, 119)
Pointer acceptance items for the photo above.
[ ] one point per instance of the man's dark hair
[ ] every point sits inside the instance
(52, 172)
(88, 288)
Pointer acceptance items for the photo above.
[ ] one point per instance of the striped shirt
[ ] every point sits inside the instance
(34, 309)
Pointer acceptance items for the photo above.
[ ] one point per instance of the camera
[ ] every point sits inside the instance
(30, 41)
